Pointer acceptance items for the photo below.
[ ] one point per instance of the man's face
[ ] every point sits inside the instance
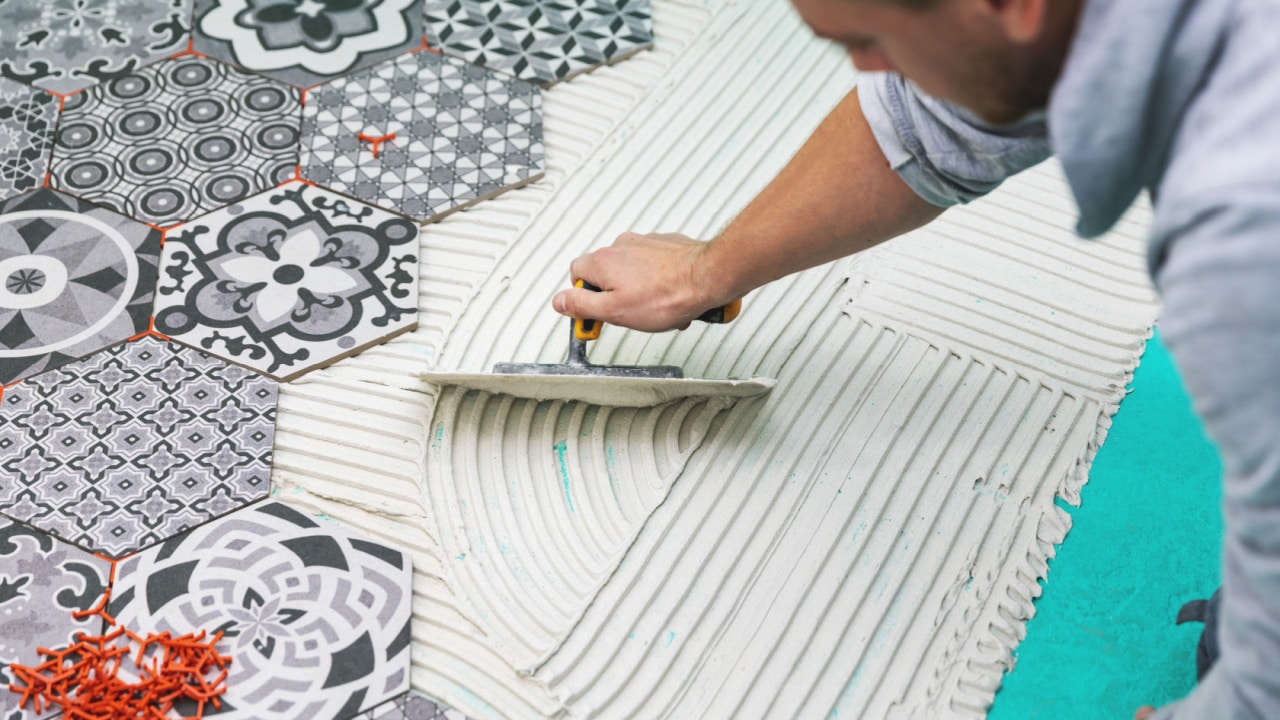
(958, 50)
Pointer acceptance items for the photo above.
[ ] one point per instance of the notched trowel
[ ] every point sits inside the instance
(618, 385)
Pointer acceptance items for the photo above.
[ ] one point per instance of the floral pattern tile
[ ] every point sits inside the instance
(411, 706)
(289, 280)
(74, 278)
(305, 42)
(316, 620)
(134, 445)
(177, 139)
(42, 581)
(69, 45)
(423, 135)
(542, 41)
(27, 120)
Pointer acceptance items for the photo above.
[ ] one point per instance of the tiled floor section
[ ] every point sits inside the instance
(177, 139)
(74, 278)
(289, 280)
(411, 706)
(134, 444)
(305, 43)
(423, 135)
(27, 120)
(316, 620)
(42, 581)
(69, 45)
(541, 41)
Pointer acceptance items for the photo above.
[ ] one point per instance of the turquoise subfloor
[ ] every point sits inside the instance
(1145, 539)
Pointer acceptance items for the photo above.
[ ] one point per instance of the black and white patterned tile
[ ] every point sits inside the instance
(177, 139)
(27, 121)
(68, 45)
(542, 41)
(423, 134)
(74, 278)
(316, 620)
(306, 42)
(134, 445)
(411, 706)
(289, 280)
(42, 582)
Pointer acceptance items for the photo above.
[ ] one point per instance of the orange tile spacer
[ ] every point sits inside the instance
(190, 50)
(425, 46)
(149, 332)
(376, 141)
(47, 175)
(302, 96)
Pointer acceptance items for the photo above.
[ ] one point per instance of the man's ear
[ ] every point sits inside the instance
(1022, 20)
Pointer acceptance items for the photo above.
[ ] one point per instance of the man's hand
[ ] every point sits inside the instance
(647, 282)
(1144, 712)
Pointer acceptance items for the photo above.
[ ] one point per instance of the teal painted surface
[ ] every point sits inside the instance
(1146, 539)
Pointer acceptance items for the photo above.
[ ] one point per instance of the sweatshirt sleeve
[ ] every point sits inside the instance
(946, 154)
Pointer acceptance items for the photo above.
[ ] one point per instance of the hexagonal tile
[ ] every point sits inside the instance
(316, 620)
(42, 581)
(74, 278)
(68, 45)
(423, 135)
(134, 445)
(176, 139)
(541, 41)
(308, 42)
(290, 280)
(27, 120)
(411, 706)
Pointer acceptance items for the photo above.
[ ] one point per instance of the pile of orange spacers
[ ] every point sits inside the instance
(84, 679)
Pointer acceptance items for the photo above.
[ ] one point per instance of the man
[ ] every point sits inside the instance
(1177, 97)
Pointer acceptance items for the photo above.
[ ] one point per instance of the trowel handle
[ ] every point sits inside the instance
(585, 329)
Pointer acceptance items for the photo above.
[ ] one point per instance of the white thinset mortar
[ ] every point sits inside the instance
(863, 542)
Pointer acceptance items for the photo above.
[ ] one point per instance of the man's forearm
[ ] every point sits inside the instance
(836, 197)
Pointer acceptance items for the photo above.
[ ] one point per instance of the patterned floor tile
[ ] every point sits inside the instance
(423, 134)
(176, 139)
(289, 280)
(42, 581)
(27, 120)
(74, 278)
(68, 45)
(411, 706)
(541, 41)
(306, 42)
(134, 445)
(316, 620)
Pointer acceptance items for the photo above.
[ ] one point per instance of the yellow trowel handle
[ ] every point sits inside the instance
(584, 329)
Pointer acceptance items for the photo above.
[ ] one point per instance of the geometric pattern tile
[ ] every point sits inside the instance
(175, 139)
(74, 278)
(411, 706)
(316, 621)
(68, 45)
(42, 581)
(542, 41)
(134, 445)
(27, 120)
(423, 134)
(306, 43)
(289, 280)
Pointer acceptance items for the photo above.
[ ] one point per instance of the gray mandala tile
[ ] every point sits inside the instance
(289, 280)
(42, 581)
(27, 120)
(423, 134)
(177, 139)
(68, 45)
(316, 620)
(134, 445)
(541, 41)
(74, 278)
(411, 706)
(305, 42)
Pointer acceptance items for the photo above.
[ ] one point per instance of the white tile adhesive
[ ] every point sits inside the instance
(863, 541)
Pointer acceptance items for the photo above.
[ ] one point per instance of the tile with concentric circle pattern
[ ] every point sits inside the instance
(315, 619)
(177, 139)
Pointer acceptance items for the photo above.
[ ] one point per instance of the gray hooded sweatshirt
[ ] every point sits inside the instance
(1180, 98)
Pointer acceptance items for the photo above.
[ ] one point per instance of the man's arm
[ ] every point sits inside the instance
(836, 197)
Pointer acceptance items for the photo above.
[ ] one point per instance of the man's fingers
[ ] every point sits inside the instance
(581, 303)
(1144, 712)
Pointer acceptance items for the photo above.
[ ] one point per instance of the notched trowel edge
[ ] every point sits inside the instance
(601, 390)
